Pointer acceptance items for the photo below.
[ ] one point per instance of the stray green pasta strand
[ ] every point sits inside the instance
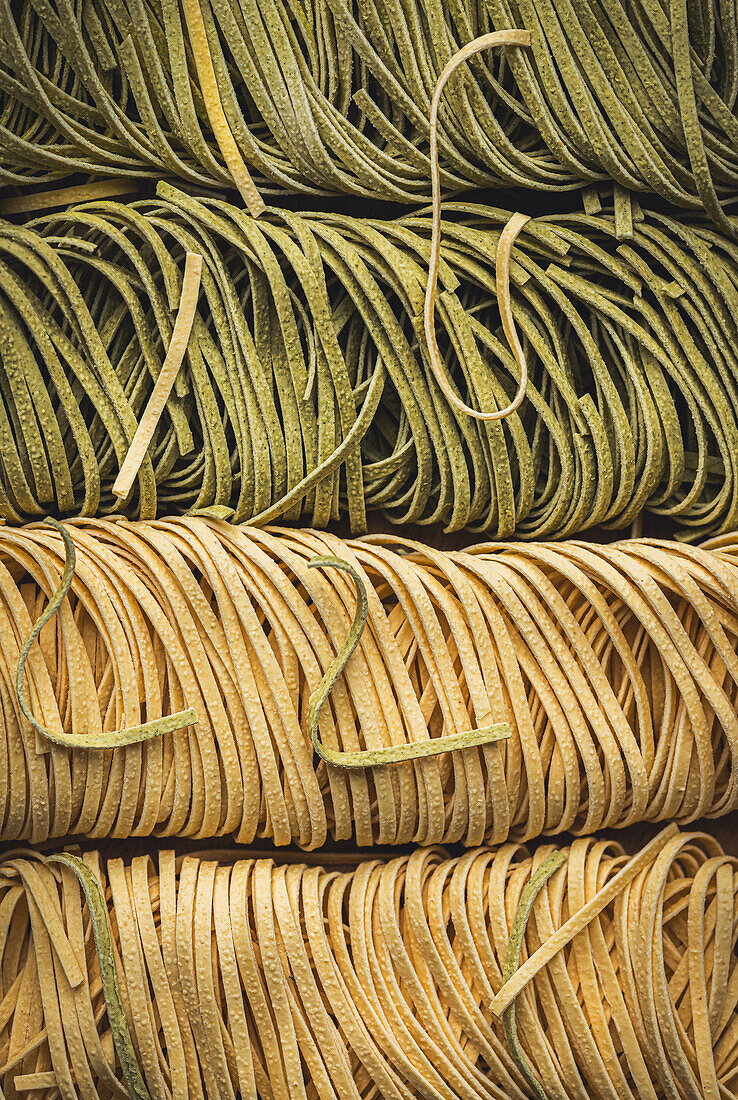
(512, 960)
(116, 738)
(117, 1022)
(391, 754)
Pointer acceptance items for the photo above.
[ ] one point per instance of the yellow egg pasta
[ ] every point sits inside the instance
(593, 685)
(190, 976)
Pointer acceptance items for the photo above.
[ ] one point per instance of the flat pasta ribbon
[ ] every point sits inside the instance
(116, 739)
(334, 98)
(600, 368)
(108, 973)
(575, 647)
(538, 880)
(170, 368)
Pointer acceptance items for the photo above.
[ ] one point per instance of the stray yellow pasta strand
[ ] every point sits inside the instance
(65, 196)
(167, 375)
(504, 247)
(214, 107)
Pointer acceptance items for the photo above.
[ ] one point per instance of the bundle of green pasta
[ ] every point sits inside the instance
(503, 691)
(494, 976)
(307, 389)
(329, 95)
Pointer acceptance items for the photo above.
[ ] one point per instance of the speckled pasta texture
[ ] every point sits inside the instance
(614, 666)
(260, 978)
(307, 392)
(334, 95)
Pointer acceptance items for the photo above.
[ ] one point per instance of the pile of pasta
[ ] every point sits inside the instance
(615, 668)
(307, 390)
(331, 96)
(401, 978)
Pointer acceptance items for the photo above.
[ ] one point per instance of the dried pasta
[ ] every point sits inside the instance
(261, 978)
(332, 96)
(308, 391)
(614, 667)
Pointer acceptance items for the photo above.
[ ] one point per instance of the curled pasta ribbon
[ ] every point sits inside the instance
(108, 974)
(515, 977)
(388, 754)
(347, 976)
(110, 740)
(163, 387)
(504, 247)
(689, 109)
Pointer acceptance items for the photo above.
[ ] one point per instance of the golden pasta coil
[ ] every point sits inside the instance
(615, 667)
(333, 96)
(260, 978)
(308, 390)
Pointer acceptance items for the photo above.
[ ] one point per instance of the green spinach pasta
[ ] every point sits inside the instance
(334, 95)
(255, 978)
(307, 389)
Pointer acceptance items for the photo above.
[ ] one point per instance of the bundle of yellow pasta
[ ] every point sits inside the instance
(493, 976)
(614, 667)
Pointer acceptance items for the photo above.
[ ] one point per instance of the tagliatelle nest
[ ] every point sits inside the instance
(308, 391)
(327, 95)
(255, 978)
(614, 666)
